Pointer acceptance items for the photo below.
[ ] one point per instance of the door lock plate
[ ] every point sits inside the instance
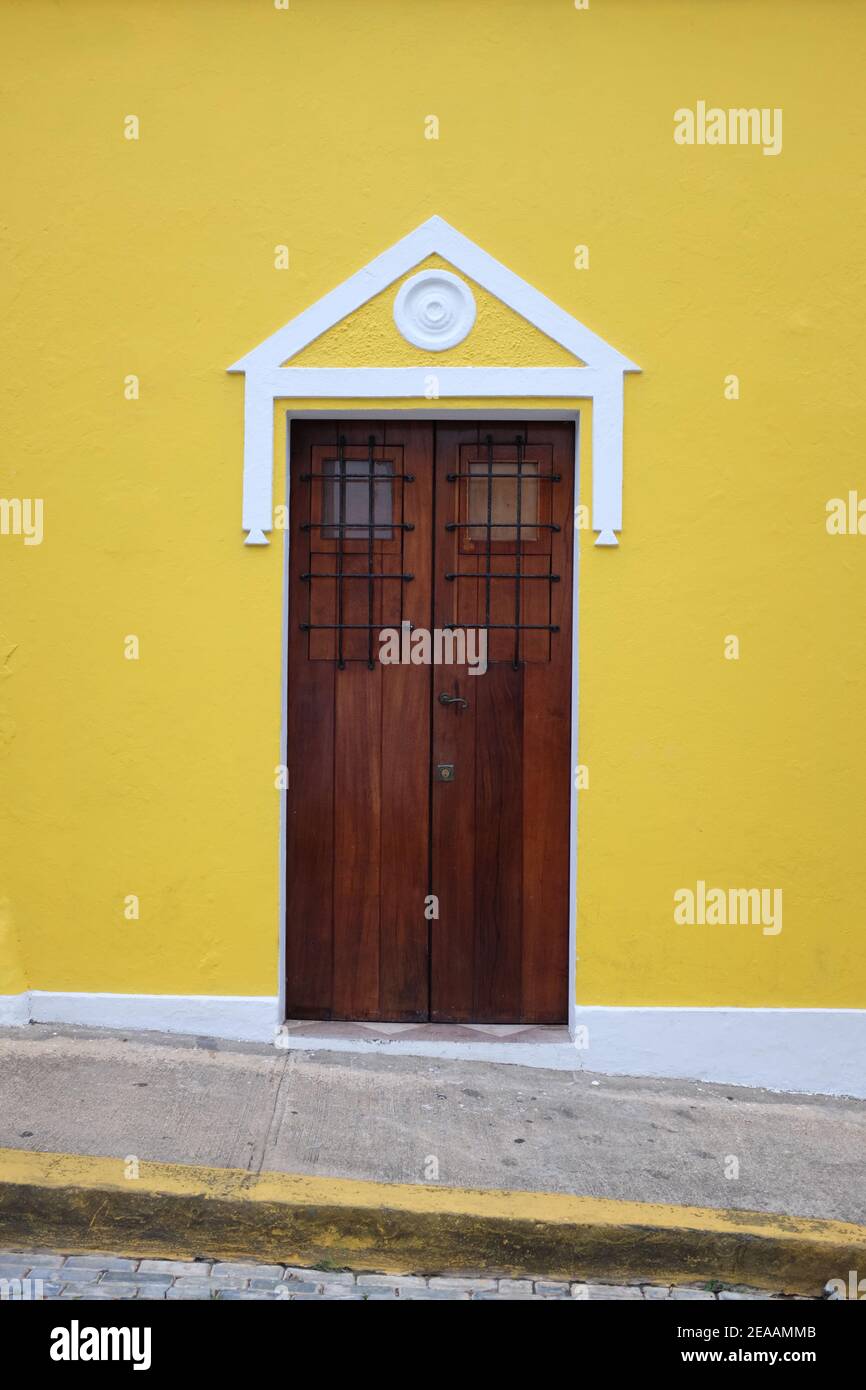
(445, 772)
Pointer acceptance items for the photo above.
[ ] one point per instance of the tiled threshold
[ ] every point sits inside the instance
(526, 1045)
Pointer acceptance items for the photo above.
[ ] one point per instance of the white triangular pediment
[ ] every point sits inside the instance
(434, 237)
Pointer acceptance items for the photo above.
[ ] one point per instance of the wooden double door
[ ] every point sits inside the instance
(427, 853)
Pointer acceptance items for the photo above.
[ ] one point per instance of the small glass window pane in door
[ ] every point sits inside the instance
(357, 499)
(503, 509)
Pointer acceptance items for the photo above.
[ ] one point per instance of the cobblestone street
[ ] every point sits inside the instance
(116, 1277)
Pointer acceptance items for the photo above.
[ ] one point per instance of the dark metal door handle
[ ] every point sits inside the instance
(446, 699)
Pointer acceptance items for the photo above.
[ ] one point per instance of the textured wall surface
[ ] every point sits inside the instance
(156, 257)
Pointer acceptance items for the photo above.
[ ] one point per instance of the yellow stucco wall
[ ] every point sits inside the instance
(155, 257)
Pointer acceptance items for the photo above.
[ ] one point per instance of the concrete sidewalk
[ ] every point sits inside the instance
(410, 1120)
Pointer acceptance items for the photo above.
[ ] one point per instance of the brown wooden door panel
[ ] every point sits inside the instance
(357, 840)
(499, 952)
(370, 831)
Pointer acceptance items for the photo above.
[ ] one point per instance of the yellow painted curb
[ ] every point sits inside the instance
(75, 1203)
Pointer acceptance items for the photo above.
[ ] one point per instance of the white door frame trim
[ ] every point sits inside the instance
(597, 374)
(573, 416)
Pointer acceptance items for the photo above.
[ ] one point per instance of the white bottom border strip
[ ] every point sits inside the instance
(816, 1051)
(239, 1018)
(14, 1010)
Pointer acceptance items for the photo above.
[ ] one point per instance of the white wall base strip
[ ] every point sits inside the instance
(242, 1018)
(14, 1010)
(819, 1051)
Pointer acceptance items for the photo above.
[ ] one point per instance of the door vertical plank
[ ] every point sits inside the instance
(499, 848)
(547, 769)
(357, 789)
(357, 831)
(310, 795)
(498, 841)
(453, 935)
(404, 983)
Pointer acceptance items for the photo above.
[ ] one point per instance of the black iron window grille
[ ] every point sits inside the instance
(347, 514)
(515, 527)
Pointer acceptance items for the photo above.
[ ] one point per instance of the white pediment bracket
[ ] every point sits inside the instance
(599, 380)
